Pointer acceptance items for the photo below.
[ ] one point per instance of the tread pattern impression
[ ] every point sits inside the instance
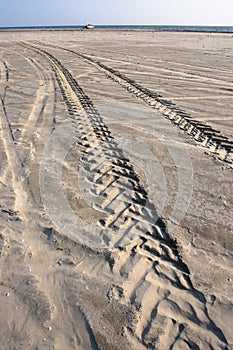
(155, 280)
(218, 144)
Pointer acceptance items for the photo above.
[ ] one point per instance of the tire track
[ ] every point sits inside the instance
(30, 294)
(155, 280)
(4, 80)
(39, 124)
(217, 144)
(210, 138)
(26, 287)
(5, 122)
(36, 115)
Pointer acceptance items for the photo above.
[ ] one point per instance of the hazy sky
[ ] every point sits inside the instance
(68, 12)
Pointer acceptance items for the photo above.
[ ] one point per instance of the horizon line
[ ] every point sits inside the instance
(119, 25)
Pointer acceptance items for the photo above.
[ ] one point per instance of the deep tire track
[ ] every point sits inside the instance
(155, 279)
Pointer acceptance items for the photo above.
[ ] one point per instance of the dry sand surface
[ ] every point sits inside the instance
(116, 190)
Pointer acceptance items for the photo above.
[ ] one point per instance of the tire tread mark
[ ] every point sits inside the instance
(218, 144)
(166, 277)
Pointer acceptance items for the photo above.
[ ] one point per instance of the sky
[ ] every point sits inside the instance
(147, 12)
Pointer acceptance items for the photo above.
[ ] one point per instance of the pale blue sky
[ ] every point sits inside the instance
(75, 12)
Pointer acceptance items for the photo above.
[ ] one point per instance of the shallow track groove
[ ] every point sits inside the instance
(4, 80)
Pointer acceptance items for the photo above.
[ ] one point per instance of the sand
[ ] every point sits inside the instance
(115, 190)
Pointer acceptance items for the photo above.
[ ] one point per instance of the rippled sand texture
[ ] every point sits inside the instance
(115, 190)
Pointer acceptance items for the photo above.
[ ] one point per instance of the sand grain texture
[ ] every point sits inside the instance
(115, 187)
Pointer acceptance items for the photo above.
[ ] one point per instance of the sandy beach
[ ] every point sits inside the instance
(116, 190)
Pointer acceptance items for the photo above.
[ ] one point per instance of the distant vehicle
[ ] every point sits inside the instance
(89, 26)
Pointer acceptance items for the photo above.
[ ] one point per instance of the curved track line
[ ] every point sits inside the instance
(39, 123)
(155, 279)
(32, 293)
(218, 145)
(41, 98)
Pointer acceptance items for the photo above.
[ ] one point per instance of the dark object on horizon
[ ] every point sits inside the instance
(89, 26)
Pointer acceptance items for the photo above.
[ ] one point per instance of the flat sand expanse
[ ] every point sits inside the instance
(116, 190)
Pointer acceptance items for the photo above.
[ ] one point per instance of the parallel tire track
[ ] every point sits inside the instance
(201, 132)
(155, 279)
(219, 145)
